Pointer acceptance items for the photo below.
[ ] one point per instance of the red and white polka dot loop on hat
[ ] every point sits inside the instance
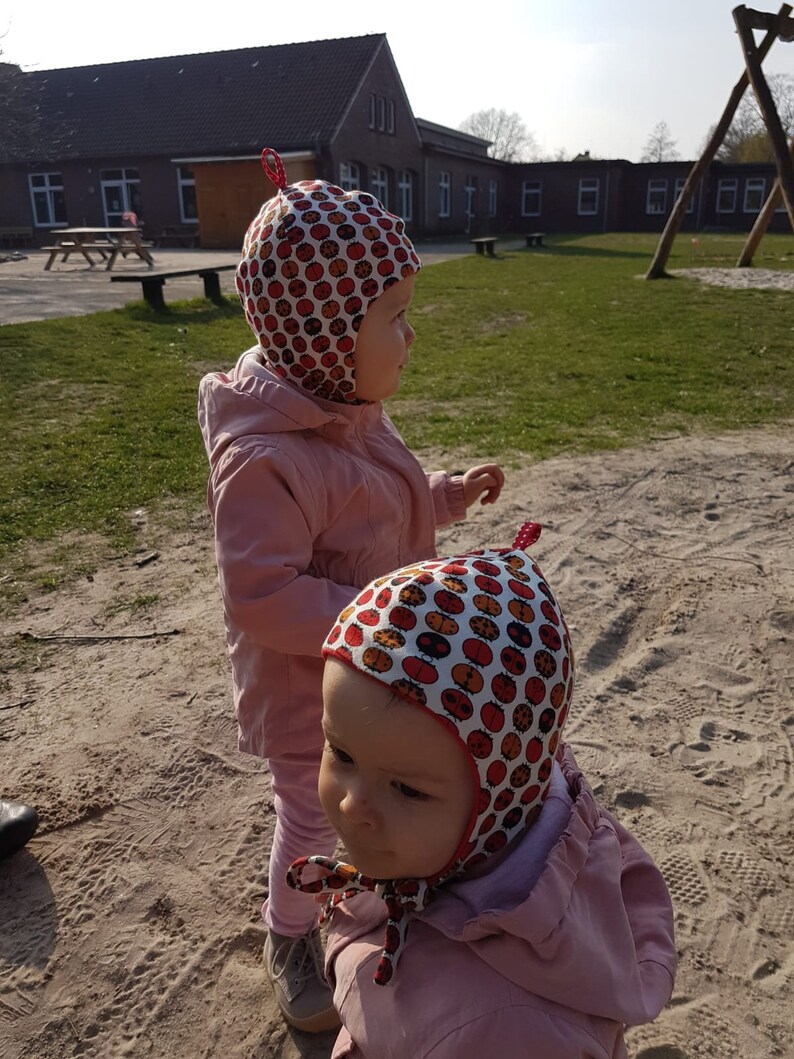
(314, 259)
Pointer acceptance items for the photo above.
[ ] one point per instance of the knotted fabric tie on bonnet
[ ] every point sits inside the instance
(479, 641)
(314, 259)
(343, 880)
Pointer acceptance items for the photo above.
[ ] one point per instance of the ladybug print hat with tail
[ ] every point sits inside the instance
(480, 642)
(314, 259)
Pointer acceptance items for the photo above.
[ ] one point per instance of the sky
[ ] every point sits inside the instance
(593, 75)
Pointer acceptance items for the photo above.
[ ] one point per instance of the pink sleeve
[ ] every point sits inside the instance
(447, 493)
(266, 520)
(446, 489)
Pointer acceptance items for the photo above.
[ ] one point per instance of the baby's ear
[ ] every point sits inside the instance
(528, 535)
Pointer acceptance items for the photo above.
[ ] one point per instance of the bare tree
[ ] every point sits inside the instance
(20, 121)
(660, 146)
(747, 139)
(511, 140)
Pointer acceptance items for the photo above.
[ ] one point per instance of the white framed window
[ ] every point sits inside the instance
(46, 197)
(656, 198)
(380, 184)
(121, 193)
(390, 116)
(588, 196)
(754, 192)
(726, 196)
(349, 176)
(381, 114)
(373, 110)
(188, 207)
(531, 194)
(679, 185)
(444, 194)
(493, 191)
(405, 190)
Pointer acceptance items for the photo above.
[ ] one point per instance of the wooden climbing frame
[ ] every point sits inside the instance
(746, 19)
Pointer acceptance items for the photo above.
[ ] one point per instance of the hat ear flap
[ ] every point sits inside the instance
(528, 535)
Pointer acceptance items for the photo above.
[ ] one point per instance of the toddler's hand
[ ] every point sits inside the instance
(488, 478)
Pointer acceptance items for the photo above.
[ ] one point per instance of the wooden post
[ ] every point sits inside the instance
(700, 168)
(785, 169)
(781, 23)
(761, 223)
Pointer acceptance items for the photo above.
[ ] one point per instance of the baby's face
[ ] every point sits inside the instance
(397, 788)
(383, 343)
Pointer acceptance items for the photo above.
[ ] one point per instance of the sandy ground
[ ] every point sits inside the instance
(739, 278)
(130, 926)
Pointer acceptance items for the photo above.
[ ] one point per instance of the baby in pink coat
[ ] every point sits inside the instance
(494, 907)
(313, 493)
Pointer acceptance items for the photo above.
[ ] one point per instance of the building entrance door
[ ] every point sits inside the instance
(121, 193)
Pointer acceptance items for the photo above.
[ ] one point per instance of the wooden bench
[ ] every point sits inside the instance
(535, 238)
(16, 236)
(484, 244)
(153, 282)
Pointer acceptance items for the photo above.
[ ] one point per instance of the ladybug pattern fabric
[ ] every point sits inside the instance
(314, 259)
(480, 641)
(341, 881)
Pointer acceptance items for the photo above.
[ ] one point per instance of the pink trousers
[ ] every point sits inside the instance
(301, 830)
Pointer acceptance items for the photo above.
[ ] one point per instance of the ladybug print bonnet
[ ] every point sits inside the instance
(480, 642)
(314, 259)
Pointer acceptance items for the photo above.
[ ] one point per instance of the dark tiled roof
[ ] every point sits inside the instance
(430, 130)
(289, 96)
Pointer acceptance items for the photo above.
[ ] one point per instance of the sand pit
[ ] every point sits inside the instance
(130, 926)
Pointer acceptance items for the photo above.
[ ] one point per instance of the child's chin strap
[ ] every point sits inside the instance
(343, 880)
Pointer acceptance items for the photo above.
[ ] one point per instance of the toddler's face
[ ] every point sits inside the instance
(397, 788)
(383, 343)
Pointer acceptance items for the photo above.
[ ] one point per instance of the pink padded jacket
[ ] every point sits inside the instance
(311, 499)
(547, 956)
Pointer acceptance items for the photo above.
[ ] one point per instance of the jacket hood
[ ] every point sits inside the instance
(315, 257)
(251, 399)
(580, 915)
(599, 916)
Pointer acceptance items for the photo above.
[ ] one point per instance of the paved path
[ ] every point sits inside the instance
(27, 292)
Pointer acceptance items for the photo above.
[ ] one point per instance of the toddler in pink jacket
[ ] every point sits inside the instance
(494, 908)
(312, 493)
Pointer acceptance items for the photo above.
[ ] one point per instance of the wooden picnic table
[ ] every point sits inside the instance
(108, 243)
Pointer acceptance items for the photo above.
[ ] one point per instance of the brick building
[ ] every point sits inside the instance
(177, 141)
(615, 195)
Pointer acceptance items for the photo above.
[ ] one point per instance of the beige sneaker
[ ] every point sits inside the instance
(295, 968)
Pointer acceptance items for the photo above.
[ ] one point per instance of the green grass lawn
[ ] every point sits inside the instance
(567, 350)
(537, 352)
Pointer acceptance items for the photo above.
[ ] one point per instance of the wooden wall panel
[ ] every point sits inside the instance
(229, 195)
